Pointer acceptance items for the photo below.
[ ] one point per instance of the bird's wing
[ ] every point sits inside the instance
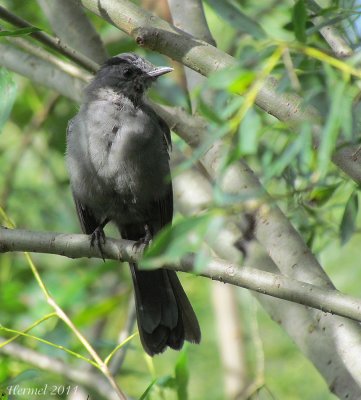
(166, 133)
(165, 204)
(87, 220)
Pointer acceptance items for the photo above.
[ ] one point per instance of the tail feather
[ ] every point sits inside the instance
(164, 313)
(192, 331)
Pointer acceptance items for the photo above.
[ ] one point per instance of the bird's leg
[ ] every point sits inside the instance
(146, 239)
(98, 237)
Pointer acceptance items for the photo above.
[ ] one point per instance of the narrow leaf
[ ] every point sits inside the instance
(147, 390)
(332, 128)
(321, 194)
(231, 12)
(20, 32)
(348, 223)
(299, 19)
(184, 236)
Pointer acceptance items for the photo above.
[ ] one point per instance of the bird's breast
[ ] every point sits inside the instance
(127, 152)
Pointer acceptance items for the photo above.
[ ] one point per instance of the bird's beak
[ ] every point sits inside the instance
(158, 71)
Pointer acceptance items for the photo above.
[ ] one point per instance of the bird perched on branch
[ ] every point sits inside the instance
(118, 162)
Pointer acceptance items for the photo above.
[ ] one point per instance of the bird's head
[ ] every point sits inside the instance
(128, 74)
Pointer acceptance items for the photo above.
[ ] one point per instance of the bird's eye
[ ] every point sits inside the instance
(127, 72)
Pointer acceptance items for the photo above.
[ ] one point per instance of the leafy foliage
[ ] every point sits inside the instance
(320, 201)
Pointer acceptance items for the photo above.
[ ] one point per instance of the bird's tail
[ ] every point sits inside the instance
(164, 313)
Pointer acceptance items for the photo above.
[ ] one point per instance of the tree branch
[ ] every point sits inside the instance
(77, 246)
(293, 113)
(41, 53)
(334, 39)
(156, 34)
(49, 41)
(41, 72)
(316, 334)
(189, 16)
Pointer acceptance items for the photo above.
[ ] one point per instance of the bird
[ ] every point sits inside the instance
(117, 156)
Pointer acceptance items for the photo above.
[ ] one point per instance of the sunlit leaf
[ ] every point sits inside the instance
(321, 194)
(224, 78)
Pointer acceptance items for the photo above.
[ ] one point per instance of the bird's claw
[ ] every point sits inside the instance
(141, 243)
(144, 241)
(97, 238)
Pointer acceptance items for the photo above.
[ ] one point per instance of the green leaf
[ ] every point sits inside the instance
(248, 133)
(299, 20)
(331, 129)
(182, 375)
(235, 79)
(231, 12)
(285, 159)
(348, 222)
(147, 390)
(7, 95)
(167, 381)
(208, 112)
(321, 194)
(184, 236)
(20, 32)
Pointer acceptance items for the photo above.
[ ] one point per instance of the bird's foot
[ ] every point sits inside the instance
(97, 238)
(144, 241)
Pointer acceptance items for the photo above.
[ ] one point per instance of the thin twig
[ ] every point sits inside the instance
(50, 41)
(70, 69)
(89, 379)
(63, 316)
(119, 357)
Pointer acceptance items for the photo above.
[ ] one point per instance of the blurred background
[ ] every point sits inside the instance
(319, 200)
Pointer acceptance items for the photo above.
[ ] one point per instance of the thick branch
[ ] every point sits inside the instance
(317, 334)
(157, 34)
(278, 239)
(321, 337)
(77, 246)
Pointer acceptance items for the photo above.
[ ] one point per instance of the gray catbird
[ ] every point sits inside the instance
(118, 162)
